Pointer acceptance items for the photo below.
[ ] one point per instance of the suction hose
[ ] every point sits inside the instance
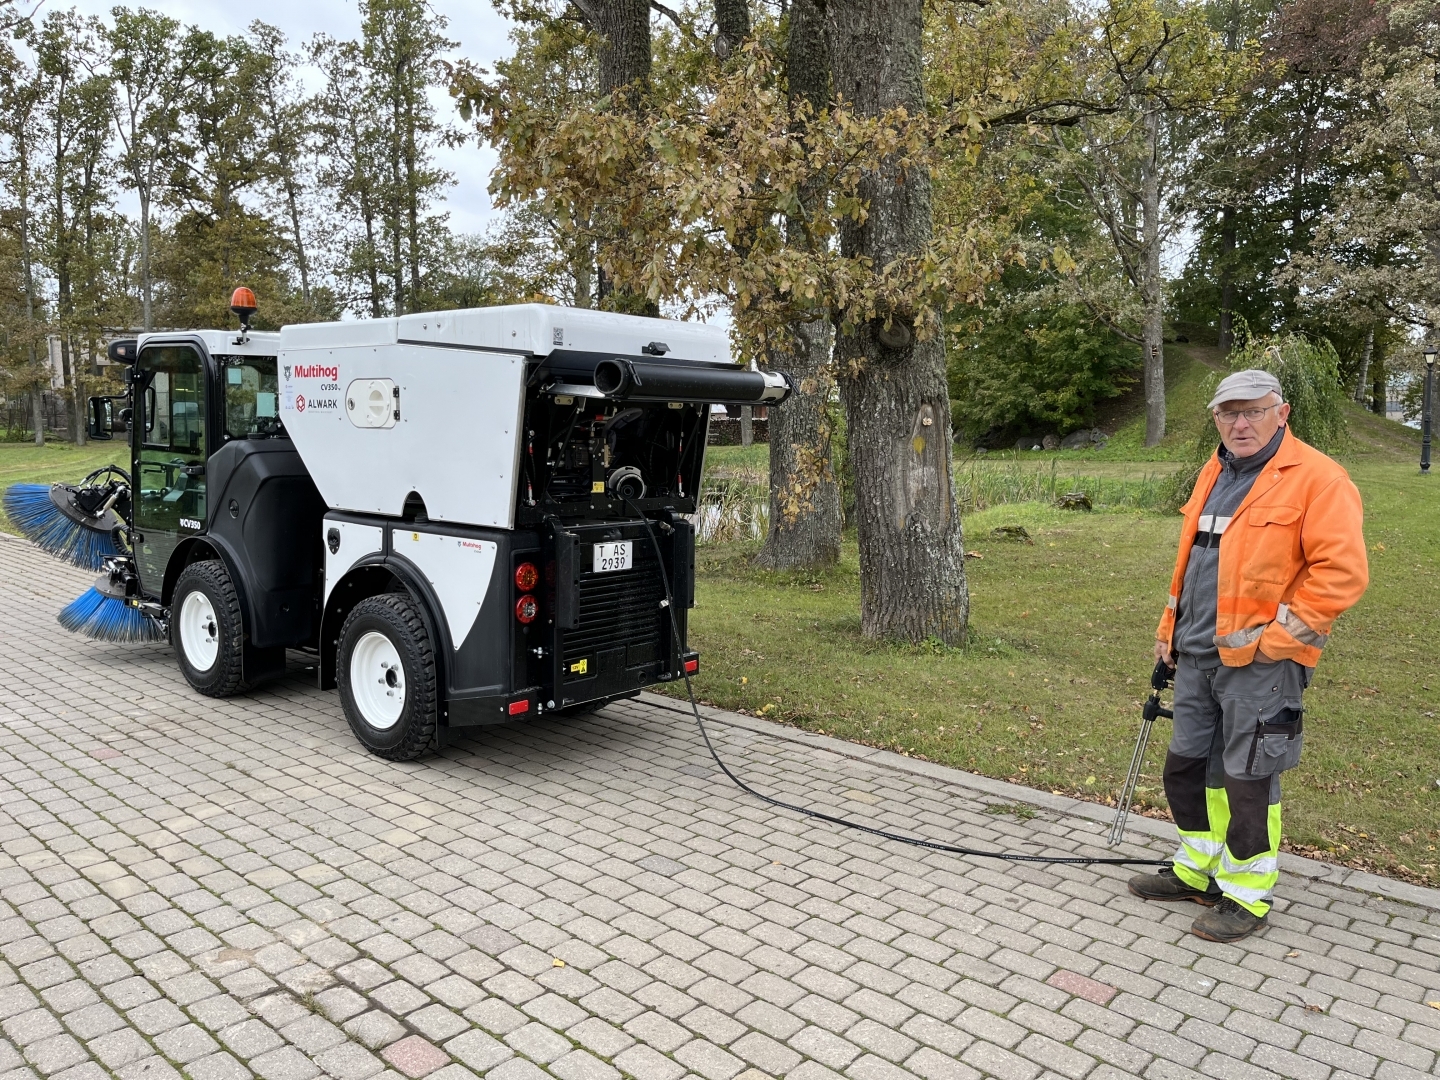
(848, 823)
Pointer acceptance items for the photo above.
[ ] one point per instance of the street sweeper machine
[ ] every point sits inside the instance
(463, 517)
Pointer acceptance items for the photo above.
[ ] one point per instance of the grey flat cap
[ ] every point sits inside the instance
(1246, 386)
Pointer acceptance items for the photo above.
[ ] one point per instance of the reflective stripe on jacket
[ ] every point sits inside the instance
(1291, 560)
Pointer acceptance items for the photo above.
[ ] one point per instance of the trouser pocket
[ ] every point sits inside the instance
(1276, 744)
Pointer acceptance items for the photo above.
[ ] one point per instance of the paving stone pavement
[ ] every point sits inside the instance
(226, 889)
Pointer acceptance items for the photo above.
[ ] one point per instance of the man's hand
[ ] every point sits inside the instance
(1162, 654)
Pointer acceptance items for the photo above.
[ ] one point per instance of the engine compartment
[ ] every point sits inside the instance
(594, 458)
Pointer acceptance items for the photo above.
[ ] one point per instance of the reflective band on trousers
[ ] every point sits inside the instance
(1260, 864)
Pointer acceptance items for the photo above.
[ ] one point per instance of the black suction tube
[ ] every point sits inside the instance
(634, 380)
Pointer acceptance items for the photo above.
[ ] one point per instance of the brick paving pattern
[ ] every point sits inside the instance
(227, 889)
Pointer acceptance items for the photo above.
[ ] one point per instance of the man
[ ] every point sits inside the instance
(1271, 552)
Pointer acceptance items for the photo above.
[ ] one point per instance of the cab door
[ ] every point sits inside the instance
(170, 453)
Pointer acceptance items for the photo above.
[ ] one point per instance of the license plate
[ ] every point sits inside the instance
(614, 556)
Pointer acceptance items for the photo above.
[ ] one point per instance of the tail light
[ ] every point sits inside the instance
(518, 707)
(692, 665)
(526, 577)
(526, 608)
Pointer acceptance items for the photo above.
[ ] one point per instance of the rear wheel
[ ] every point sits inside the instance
(386, 672)
(207, 629)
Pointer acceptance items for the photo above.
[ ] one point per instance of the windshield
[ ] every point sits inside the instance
(251, 389)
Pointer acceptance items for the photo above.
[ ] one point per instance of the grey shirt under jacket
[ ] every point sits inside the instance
(1195, 614)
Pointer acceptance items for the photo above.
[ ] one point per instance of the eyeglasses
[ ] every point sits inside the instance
(1229, 416)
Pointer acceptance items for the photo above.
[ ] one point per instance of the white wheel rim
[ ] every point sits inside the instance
(199, 631)
(377, 680)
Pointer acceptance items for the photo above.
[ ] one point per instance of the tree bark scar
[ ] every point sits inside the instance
(926, 489)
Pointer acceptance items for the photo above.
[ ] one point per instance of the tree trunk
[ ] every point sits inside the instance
(1227, 278)
(625, 56)
(747, 425)
(805, 518)
(624, 26)
(804, 493)
(1152, 287)
(1378, 395)
(1360, 383)
(37, 410)
(147, 308)
(732, 26)
(897, 401)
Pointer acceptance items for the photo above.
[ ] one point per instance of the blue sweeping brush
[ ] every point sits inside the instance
(101, 614)
(74, 523)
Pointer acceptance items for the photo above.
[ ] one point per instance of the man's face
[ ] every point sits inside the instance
(1244, 436)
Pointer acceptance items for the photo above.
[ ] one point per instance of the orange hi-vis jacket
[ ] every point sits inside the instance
(1291, 560)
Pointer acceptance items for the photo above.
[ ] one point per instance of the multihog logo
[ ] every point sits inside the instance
(316, 371)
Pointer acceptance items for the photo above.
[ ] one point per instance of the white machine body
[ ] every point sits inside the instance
(431, 406)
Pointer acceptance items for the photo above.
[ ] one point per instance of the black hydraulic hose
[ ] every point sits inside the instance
(916, 841)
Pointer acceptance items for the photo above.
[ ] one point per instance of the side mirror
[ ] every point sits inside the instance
(102, 418)
(122, 351)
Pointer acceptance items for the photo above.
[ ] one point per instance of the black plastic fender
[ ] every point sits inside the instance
(374, 574)
(256, 664)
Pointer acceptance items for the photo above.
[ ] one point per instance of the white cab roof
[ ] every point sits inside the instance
(220, 342)
(532, 329)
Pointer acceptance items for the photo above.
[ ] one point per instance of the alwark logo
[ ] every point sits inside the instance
(299, 402)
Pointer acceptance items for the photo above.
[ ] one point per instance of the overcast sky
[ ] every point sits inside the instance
(481, 32)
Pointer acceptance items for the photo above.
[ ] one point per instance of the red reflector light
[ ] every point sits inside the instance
(526, 577)
(526, 608)
(692, 666)
(518, 707)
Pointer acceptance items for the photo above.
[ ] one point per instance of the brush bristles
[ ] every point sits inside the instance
(30, 509)
(105, 618)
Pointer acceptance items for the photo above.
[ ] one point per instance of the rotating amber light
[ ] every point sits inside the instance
(526, 577)
(526, 608)
(242, 303)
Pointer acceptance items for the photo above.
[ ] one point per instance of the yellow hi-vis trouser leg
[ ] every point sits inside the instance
(1248, 876)
(1238, 818)
(1229, 822)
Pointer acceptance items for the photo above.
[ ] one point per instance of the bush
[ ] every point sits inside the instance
(1309, 374)
(1035, 367)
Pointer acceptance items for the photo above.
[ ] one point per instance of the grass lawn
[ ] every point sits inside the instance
(1048, 691)
(27, 463)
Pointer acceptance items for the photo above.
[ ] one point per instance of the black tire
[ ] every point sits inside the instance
(407, 731)
(209, 624)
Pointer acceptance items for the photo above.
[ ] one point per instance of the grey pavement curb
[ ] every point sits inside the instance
(1313, 869)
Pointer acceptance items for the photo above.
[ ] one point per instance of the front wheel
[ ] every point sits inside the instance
(386, 670)
(207, 629)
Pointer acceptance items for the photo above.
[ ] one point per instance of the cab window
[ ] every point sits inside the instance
(252, 390)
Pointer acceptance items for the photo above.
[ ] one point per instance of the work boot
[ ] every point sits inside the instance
(1167, 886)
(1227, 921)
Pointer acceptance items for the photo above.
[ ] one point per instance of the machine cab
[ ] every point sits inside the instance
(193, 393)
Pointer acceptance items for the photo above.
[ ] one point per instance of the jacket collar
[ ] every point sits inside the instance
(1286, 455)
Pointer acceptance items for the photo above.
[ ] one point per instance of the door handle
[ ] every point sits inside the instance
(193, 470)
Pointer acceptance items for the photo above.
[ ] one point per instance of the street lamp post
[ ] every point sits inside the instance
(1427, 413)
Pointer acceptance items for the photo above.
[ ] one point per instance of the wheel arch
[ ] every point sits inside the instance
(195, 549)
(371, 576)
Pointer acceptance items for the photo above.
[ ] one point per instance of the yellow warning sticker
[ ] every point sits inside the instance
(580, 667)
(598, 487)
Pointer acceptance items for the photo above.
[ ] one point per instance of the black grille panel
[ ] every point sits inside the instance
(621, 620)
